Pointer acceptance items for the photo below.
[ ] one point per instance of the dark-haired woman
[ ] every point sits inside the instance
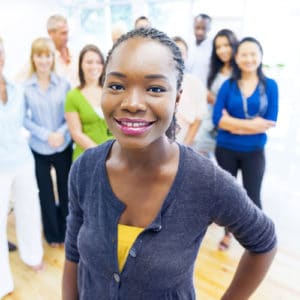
(221, 62)
(140, 204)
(246, 107)
(82, 109)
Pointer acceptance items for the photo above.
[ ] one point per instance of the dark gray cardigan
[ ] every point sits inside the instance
(161, 261)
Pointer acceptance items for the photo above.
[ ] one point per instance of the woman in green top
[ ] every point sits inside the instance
(82, 110)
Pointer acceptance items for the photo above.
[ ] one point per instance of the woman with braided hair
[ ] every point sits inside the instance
(141, 204)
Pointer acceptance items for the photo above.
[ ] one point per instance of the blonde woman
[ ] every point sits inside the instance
(83, 112)
(50, 142)
(17, 179)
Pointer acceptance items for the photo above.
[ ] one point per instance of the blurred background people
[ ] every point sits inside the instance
(118, 29)
(65, 61)
(192, 105)
(50, 141)
(246, 107)
(200, 50)
(82, 109)
(17, 180)
(142, 21)
(220, 69)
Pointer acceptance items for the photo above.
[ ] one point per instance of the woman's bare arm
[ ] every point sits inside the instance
(251, 270)
(211, 98)
(75, 128)
(191, 133)
(69, 285)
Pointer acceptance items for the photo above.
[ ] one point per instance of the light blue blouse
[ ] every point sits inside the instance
(14, 150)
(45, 113)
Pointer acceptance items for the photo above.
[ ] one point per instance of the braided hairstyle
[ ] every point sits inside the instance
(162, 38)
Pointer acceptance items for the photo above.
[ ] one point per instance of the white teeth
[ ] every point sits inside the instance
(134, 124)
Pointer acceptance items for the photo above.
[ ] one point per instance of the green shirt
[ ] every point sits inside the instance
(92, 124)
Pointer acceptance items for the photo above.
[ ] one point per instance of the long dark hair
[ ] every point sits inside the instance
(215, 63)
(84, 50)
(236, 72)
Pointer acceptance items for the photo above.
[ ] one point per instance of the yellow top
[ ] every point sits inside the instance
(126, 237)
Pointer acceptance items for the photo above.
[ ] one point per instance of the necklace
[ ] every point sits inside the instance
(263, 103)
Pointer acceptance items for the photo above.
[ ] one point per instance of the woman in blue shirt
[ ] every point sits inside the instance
(50, 140)
(140, 205)
(246, 107)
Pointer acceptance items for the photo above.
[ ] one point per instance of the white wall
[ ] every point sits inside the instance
(273, 22)
(20, 23)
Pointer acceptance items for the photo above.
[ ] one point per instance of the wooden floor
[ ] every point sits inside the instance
(213, 272)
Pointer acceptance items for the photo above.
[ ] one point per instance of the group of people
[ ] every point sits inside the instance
(55, 115)
(241, 102)
(140, 193)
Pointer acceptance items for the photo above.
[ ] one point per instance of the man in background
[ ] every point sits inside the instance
(142, 22)
(200, 50)
(58, 30)
(65, 63)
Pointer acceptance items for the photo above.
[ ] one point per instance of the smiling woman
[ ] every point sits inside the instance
(164, 193)
(50, 141)
(143, 110)
(82, 109)
(246, 107)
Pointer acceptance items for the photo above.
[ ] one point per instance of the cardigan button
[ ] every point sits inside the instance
(158, 228)
(116, 277)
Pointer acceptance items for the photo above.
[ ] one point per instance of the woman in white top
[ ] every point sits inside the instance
(221, 62)
(191, 109)
(17, 179)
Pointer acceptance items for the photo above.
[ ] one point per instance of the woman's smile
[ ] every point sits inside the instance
(139, 95)
(133, 126)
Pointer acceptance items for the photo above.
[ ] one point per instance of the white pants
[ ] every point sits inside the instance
(21, 185)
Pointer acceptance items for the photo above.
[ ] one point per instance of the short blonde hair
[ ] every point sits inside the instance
(1, 40)
(53, 21)
(40, 46)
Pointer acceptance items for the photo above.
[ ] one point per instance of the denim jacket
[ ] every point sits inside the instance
(160, 264)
